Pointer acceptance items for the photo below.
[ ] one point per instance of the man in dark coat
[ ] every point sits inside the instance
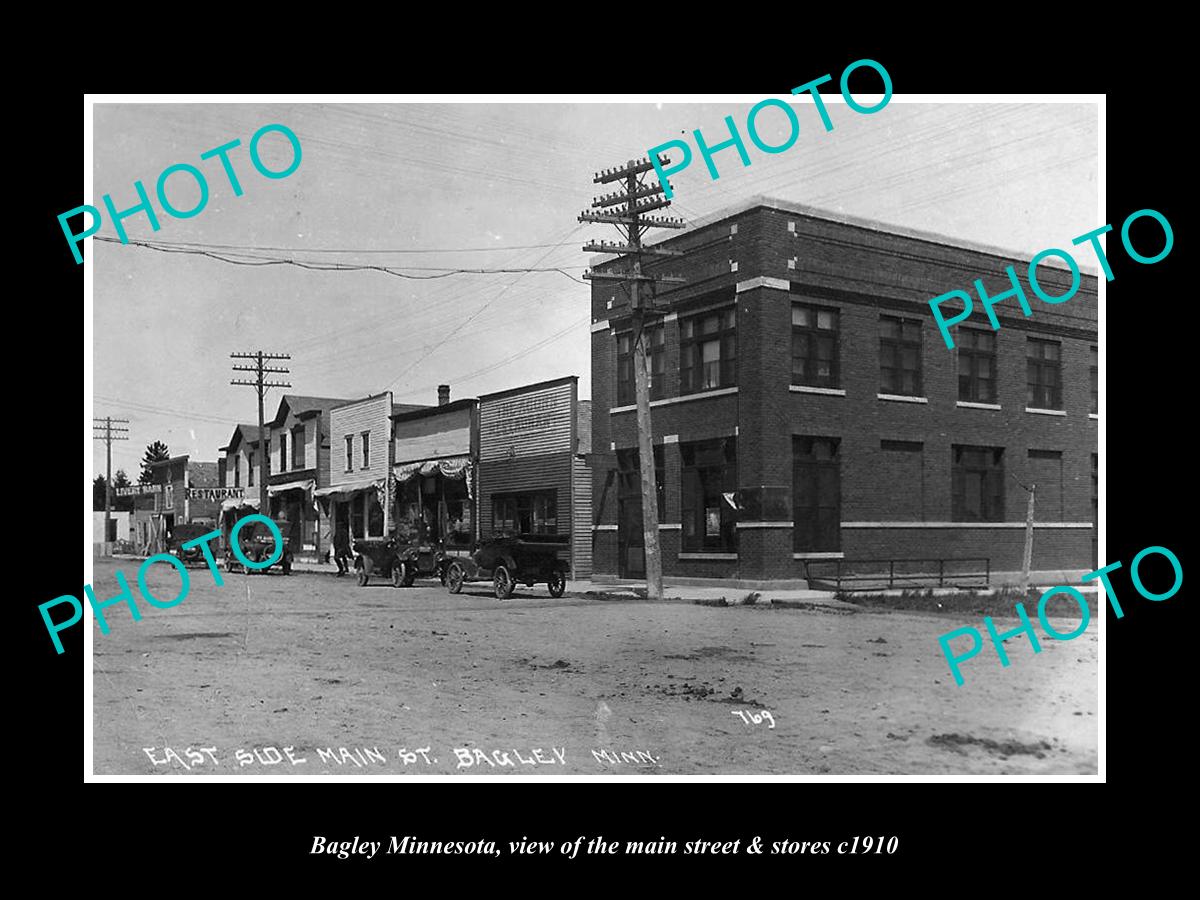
(341, 549)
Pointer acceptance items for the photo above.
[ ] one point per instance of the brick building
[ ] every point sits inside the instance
(806, 409)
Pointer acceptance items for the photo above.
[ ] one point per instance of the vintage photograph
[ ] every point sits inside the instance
(595, 438)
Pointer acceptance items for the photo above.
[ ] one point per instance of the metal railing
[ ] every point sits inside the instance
(849, 574)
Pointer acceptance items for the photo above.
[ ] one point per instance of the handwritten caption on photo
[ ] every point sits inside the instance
(860, 845)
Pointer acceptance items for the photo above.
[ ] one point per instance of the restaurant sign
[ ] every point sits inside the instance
(214, 493)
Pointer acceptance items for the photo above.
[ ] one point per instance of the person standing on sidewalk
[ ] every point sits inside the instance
(341, 549)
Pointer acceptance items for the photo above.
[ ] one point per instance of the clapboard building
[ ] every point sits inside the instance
(806, 409)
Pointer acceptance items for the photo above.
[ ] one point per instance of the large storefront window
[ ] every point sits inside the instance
(708, 483)
(816, 494)
(374, 514)
(629, 478)
(531, 513)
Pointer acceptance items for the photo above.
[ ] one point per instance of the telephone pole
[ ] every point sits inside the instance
(108, 434)
(260, 370)
(626, 208)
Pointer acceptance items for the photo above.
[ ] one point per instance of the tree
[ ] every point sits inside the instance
(154, 453)
(98, 493)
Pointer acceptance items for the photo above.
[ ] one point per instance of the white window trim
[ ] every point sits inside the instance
(828, 555)
(766, 524)
(902, 398)
(670, 526)
(1045, 412)
(971, 404)
(810, 389)
(721, 556)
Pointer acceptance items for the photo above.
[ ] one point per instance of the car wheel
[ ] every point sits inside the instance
(287, 566)
(454, 578)
(557, 584)
(504, 583)
(228, 564)
(398, 575)
(362, 577)
(410, 574)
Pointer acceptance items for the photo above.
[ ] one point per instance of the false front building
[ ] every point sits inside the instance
(806, 410)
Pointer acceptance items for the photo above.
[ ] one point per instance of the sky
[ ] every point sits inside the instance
(425, 187)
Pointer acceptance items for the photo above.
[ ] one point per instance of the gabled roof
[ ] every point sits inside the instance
(247, 433)
(302, 406)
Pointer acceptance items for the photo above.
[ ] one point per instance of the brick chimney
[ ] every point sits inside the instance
(443, 394)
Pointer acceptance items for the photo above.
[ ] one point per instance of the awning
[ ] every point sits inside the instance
(305, 485)
(349, 487)
(450, 467)
(239, 503)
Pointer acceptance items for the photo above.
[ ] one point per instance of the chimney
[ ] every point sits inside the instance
(443, 394)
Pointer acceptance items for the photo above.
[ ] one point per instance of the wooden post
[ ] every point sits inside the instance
(1027, 559)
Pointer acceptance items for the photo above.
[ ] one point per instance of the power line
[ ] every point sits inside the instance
(356, 251)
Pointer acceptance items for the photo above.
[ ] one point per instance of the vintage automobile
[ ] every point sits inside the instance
(403, 563)
(258, 544)
(511, 560)
(180, 535)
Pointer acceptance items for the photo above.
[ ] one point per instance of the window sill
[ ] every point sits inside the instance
(702, 395)
(723, 556)
(809, 389)
(669, 526)
(902, 398)
(1093, 415)
(1045, 412)
(971, 404)
(818, 555)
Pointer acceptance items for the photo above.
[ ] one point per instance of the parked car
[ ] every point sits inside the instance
(180, 535)
(258, 544)
(403, 563)
(508, 561)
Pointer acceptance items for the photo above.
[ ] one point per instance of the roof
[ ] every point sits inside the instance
(301, 405)
(402, 413)
(553, 382)
(248, 433)
(761, 200)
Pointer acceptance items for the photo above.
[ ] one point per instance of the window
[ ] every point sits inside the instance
(1044, 379)
(250, 469)
(283, 451)
(349, 453)
(708, 351)
(1094, 370)
(267, 454)
(708, 485)
(531, 513)
(816, 494)
(357, 519)
(978, 484)
(366, 449)
(1046, 472)
(900, 356)
(976, 365)
(814, 346)
(629, 478)
(237, 472)
(374, 514)
(626, 390)
(298, 447)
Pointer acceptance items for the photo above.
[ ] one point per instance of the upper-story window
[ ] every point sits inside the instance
(976, 365)
(349, 453)
(250, 469)
(298, 447)
(900, 356)
(814, 346)
(708, 351)
(656, 338)
(366, 449)
(237, 471)
(283, 451)
(1044, 368)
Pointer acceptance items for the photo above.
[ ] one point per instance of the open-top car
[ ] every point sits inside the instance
(508, 561)
(258, 544)
(401, 562)
(180, 535)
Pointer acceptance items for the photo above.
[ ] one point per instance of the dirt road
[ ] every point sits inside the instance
(265, 671)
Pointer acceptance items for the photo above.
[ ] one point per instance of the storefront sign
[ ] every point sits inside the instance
(136, 490)
(214, 493)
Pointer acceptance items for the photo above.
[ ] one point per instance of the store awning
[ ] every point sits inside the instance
(449, 467)
(306, 484)
(239, 503)
(350, 487)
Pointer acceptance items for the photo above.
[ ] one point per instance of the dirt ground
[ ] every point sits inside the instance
(266, 671)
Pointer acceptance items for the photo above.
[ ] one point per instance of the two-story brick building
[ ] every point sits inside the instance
(805, 407)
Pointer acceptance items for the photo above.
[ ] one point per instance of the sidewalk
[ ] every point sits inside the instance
(709, 596)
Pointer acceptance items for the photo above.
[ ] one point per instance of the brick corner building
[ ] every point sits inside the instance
(806, 409)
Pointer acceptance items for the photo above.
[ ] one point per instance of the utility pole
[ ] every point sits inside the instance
(108, 434)
(626, 209)
(260, 369)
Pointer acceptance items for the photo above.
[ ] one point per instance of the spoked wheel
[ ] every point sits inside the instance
(504, 583)
(557, 584)
(454, 578)
(398, 575)
(410, 574)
